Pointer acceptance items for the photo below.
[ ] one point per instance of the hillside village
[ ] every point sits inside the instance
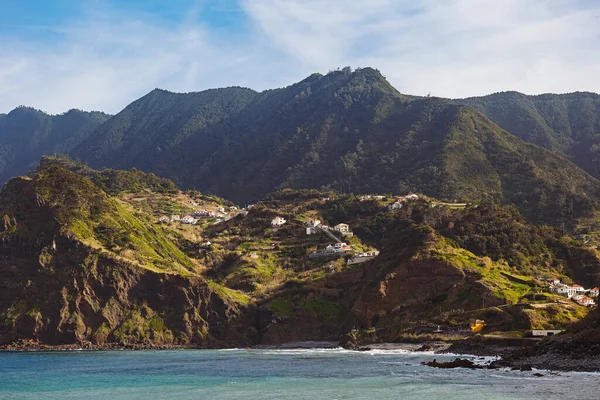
(312, 258)
(314, 265)
(296, 234)
(573, 291)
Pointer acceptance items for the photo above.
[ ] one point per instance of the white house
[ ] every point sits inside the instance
(585, 301)
(164, 219)
(221, 209)
(594, 292)
(188, 219)
(175, 217)
(395, 206)
(578, 288)
(342, 228)
(554, 281)
(411, 197)
(278, 221)
(566, 291)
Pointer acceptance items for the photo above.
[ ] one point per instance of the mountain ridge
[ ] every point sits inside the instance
(346, 130)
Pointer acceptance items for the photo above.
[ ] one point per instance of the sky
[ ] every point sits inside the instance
(103, 54)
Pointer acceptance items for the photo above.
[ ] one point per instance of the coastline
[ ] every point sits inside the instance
(522, 354)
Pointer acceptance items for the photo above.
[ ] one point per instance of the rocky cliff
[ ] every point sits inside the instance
(63, 280)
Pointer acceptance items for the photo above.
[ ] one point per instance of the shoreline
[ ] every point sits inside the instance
(506, 349)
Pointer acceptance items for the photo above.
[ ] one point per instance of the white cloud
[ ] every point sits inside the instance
(105, 61)
(453, 48)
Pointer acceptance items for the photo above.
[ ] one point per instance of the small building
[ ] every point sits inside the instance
(545, 332)
(188, 219)
(554, 281)
(594, 292)
(164, 219)
(221, 210)
(175, 217)
(278, 221)
(342, 228)
(411, 197)
(578, 288)
(566, 291)
(361, 258)
(395, 205)
(585, 301)
(336, 249)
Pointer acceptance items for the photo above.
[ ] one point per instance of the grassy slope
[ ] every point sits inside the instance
(568, 124)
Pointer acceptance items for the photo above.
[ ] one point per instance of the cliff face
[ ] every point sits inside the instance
(56, 288)
(420, 279)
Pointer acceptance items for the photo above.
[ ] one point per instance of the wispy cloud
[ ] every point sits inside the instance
(453, 48)
(106, 60)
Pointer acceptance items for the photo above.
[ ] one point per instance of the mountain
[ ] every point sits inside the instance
(80, 266)
(26, 134)
(348, 131)
(85, 260)
(568, 124)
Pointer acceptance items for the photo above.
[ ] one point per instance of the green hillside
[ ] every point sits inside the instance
(346, 131)
(568, 124)
(26, 134)
(79, 266)
(82, 264)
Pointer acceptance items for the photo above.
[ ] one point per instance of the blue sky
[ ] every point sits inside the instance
(103, 54)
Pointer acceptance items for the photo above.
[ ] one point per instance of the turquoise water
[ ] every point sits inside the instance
(269, 374)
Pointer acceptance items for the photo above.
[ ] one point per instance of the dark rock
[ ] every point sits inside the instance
(457, 363)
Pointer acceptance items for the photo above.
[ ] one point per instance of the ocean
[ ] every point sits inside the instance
(270, 374)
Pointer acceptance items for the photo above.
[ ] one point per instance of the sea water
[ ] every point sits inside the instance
(270, 374)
